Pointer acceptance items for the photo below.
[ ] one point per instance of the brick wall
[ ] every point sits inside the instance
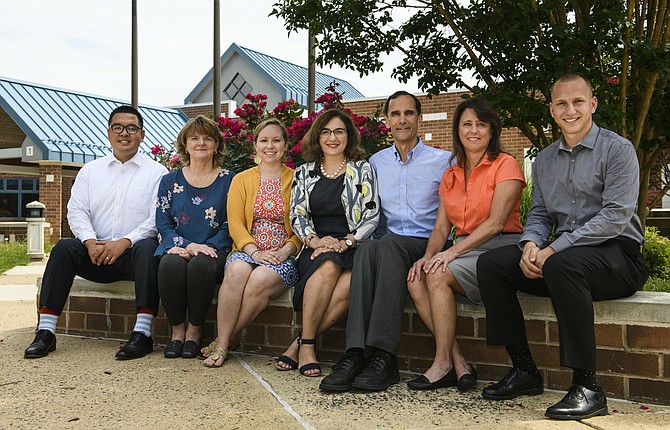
(633, 336)
(193, 111)
(19, 232)
(51, 194)
(67, 188)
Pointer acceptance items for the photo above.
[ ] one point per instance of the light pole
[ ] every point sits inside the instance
(133, 77)
(217, 61)
(311, 70)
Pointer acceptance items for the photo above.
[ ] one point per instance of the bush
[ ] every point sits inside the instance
(526, 201)
(238, 132)
(657, 254)
(657, 284)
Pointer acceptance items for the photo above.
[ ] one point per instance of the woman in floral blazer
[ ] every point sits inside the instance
(334, 206)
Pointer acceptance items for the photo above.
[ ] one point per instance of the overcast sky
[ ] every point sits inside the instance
(85, 45)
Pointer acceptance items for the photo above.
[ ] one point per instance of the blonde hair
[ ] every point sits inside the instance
(268, 122)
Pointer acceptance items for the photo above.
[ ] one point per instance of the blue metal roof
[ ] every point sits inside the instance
(289, 78)
(72, 127)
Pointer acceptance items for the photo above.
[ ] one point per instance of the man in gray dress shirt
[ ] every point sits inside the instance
(585, 189)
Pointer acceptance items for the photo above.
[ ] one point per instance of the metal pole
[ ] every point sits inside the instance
(134, 74)
(217, 61)
(311, 71)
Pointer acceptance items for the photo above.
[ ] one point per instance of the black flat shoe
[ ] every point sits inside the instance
(191, 349)
(515, 383)
(43, 344)
(467, 381)
(174, 349)
(137, 346)
(422, 383)
(579, 404)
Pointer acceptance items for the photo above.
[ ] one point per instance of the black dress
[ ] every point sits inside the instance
(329, 219)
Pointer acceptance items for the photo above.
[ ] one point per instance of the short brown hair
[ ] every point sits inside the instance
(203, 125)
(570, 77)
(311, 147)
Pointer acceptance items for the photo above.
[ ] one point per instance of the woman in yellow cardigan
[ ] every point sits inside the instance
(262, 265)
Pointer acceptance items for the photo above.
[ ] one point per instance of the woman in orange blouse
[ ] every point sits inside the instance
(480, 195)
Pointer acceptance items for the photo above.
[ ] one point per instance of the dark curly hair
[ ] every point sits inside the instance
(203, 125)
(311, 146)
(486, 114)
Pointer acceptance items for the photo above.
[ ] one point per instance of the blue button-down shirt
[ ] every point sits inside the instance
(408, 190)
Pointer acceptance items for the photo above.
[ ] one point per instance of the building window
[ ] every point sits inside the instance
(15, 194)
(237, 89)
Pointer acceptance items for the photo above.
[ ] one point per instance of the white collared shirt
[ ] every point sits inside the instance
(111, 200)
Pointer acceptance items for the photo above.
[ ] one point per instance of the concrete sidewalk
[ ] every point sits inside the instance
(81, 385)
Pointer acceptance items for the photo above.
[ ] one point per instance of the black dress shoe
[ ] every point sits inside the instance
(515, 383)
(343, 374)
(137, 346)
(580, 403)
(174, 349)
(43, 344)
(191, 349)
(422, 383)
(380, 373)
(467, 381)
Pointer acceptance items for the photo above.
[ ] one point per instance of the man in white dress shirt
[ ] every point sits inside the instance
(111, 212)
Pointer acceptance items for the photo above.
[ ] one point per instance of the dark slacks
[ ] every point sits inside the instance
(573, 278)
(188, 286)
(379, 290)
(69, 257)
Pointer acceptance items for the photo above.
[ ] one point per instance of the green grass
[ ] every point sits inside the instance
(13, 254)
(657, 284)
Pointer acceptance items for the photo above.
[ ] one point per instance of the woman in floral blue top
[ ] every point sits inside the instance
(193, 231)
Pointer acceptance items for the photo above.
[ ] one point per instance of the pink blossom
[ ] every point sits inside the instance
(157, 149)
(296, 150)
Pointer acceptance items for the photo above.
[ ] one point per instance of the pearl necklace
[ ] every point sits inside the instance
(337, 172)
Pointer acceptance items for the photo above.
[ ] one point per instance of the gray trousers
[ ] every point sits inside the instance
(379, 290)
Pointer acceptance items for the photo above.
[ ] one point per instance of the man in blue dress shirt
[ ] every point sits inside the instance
(585, 189)
(408, 175)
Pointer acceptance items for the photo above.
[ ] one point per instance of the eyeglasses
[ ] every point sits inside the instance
(338, 132)
(130, 128)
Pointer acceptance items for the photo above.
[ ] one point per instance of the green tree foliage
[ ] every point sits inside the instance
(509, 52)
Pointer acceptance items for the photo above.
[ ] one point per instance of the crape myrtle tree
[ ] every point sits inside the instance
(509, 52)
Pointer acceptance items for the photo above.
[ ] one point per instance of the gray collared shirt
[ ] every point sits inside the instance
(587, 194)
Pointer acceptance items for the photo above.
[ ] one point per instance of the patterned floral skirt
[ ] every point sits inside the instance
(288, 270)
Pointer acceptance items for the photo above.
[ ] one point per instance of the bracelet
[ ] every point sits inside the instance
(254, 253)
(309, 238)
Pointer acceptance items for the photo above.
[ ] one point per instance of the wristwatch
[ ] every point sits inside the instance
(349, 242)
